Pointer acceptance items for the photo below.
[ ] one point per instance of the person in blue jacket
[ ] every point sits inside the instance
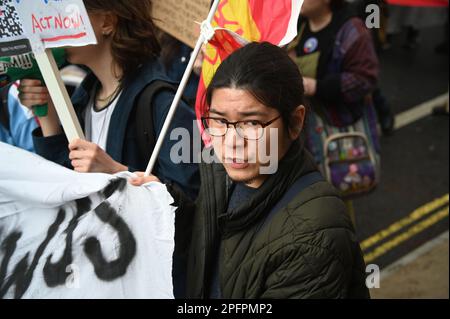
(16, 121)
(175, 56)
(123, 63)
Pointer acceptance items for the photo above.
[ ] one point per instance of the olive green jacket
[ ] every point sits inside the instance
(306, 250)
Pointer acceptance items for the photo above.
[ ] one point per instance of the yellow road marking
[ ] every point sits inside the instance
(383, 249)
(414, 216)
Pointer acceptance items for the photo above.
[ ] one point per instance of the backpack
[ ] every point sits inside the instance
(146, 135)
(348, 156)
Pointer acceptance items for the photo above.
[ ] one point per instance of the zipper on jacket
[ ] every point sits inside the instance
(208, 241)
(210, 227)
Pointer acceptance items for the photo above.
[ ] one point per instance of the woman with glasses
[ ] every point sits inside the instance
(259, 232)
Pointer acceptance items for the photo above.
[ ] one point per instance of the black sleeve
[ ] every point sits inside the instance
(184, 217)
(53, 148)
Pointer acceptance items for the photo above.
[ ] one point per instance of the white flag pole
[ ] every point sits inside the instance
(59, 95)
(206, 34)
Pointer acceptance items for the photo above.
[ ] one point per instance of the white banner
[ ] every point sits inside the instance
(69, 235)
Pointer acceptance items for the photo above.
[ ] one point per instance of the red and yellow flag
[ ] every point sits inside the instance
(238, 22)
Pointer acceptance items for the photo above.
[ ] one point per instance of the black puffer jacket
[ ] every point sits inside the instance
(306, 250)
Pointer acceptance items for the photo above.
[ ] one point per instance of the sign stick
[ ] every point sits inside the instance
(203, 37)
(59, 95)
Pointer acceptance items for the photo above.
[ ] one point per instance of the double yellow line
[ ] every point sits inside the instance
(440, 204)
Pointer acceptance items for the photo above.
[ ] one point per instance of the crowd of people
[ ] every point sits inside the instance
(240, 232)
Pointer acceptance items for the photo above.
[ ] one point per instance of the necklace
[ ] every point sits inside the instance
(110, 98)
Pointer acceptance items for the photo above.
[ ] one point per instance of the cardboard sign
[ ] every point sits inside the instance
(55, 23)
(178, 17)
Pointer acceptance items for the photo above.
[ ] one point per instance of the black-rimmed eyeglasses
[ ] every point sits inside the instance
(249, 130)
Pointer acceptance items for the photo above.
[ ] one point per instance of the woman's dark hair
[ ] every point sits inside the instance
(170, 48)
(134, 41)
(265, 71)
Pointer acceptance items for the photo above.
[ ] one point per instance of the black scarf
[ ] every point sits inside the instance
(296, 163)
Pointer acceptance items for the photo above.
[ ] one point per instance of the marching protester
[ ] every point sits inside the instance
(123, 102)
(264, 234)
(16, 121)
(336, 57)
(382, 106)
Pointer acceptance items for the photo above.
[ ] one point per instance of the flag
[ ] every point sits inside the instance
(67, 235)
(238, 22)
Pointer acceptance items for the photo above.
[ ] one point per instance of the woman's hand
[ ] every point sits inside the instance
(32, 93)
(141, 179)
(88, 157)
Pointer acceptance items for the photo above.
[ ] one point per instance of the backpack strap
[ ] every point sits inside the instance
(146, 136)
(146, 133)
(301, 184)
(4, 111)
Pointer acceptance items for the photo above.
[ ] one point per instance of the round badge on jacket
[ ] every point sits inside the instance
(311, 45)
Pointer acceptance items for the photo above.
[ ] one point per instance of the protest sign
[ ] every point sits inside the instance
(39, 25)
(55, 23)
(178, 17)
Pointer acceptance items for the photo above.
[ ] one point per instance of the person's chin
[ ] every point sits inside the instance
(242, 173)
(69, 58)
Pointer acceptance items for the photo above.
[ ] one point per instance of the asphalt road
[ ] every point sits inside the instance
(415, 160)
